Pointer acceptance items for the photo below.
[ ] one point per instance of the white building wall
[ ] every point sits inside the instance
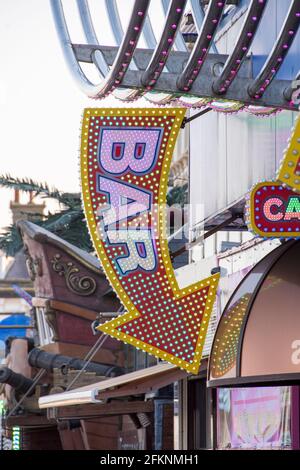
(230, 153)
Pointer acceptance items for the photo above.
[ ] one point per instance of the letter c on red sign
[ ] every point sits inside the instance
(273, 201)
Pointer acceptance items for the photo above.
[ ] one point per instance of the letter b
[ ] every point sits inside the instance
(129, 149)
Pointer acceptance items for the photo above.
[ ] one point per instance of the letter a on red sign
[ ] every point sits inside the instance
(125, 162)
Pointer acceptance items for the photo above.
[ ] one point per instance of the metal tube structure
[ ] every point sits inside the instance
(148, 34)
(198, 15)
(202, 46)
(115, 22)
(116, 25)
(167, 70)
(164, 98)
(86, 21)
(125, 52)
(117, 29)
(161, 53)
(242, 46)
(151, 43)
(63, 34)
(179, 41)
(278, 53)
(91, 37)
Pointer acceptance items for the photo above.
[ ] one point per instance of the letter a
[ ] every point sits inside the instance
(124, 200)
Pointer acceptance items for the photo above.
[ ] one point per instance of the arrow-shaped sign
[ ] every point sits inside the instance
(125, 162)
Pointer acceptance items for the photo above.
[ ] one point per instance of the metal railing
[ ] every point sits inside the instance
(166, 66)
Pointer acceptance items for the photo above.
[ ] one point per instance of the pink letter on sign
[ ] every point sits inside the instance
(129, 149)
(124, 201)
(269, 204)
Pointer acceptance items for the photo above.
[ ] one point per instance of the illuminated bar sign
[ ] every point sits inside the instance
(274, 211)
(125, 161)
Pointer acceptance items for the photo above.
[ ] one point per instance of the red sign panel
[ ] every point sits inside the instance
(274, 211)
(125, 161)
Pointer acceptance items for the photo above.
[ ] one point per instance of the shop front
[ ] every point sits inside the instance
(257, 418)
(254, 367)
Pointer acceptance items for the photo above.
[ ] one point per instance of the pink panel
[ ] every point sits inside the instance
(272, 336)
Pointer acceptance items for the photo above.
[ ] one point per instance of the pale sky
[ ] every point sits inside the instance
(40, 105)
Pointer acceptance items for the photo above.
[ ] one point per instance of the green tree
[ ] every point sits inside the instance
(69, 223)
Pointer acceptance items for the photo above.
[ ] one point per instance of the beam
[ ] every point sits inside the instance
(206, 235)
(273, 97)
(29, 421)
(176, 60)
(115, 407)
(195, 116)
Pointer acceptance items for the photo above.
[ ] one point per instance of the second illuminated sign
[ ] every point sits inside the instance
(274, 211)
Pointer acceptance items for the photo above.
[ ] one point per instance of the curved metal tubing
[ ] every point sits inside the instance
(150, 39)
(278, 53)
(242, 46)
(116, 25)
(199, 15)
(91, 37)
(63, 34)
(86, 21)
(164, 98)
(160, 55)
(148, 34)
(134, 94)
(179, 41)
(117, 28)
(203, 43)
(114, 20)
(121, 63)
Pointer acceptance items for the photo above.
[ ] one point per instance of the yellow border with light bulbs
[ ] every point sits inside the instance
(286, 173)
(250, 215)
(110, 327)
